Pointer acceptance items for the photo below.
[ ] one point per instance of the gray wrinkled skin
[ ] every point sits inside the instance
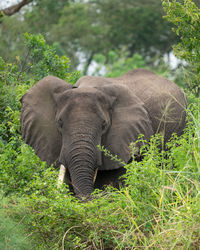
(65, 123)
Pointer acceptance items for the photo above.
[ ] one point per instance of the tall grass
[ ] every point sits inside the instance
(13, 233)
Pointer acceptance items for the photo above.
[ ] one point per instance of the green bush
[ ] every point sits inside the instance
(13, 234)
(44, 61)
(185, 16)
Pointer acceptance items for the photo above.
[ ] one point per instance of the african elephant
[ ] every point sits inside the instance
(66, 123)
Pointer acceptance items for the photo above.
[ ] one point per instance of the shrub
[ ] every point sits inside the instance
(185, 16)
(13, 234)
(42, 60)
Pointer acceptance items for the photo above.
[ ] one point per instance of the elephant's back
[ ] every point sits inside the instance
(147, 85)
(163, 99)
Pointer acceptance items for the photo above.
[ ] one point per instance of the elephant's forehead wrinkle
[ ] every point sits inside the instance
(78, 107)
(89, 95)
(82, 103)
(81, 110)
(85, 105)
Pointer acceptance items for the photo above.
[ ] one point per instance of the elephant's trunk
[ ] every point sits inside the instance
(82, 164)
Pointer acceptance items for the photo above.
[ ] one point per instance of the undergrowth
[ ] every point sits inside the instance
(13, 233)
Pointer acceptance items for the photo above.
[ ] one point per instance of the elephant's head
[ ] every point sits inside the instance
(66, 123)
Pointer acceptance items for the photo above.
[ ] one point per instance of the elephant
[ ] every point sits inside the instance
(64, 123)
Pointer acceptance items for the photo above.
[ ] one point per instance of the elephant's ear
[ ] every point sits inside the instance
(129, 120)
(38, 125)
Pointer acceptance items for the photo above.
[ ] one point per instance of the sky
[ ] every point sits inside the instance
(7, 3)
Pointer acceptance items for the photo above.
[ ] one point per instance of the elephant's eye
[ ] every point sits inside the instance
(104, 125)
(60, 123)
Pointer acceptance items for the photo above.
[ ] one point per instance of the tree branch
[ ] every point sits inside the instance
(89, 60)
(14, 8)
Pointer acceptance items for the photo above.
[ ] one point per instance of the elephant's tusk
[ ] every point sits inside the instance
(61, 175)
(95, 175)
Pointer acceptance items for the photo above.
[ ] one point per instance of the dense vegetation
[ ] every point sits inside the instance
(158, 207)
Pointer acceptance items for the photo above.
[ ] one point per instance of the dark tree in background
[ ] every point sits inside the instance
(82, 29)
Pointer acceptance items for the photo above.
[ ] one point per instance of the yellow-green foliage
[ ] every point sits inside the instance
(13, 233)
